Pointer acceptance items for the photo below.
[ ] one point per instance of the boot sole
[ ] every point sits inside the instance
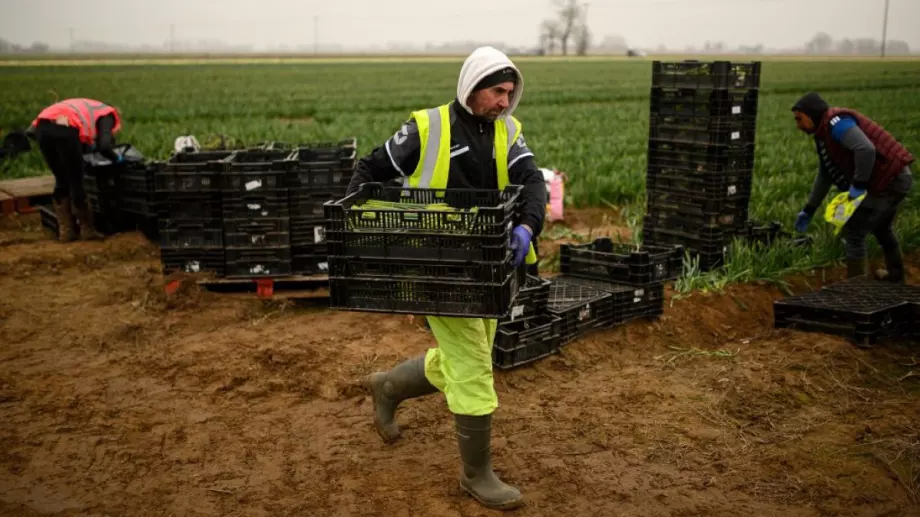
(510, 505)
(368, 384)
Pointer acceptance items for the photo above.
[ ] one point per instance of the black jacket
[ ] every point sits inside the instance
(472, 163)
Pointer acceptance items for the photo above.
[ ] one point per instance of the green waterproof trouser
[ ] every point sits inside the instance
(461, 365)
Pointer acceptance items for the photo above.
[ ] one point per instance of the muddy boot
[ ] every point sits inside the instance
(87, 228)
(405, 381)
(478, 479)
(64, 219)
(894, 266)
(856, 268)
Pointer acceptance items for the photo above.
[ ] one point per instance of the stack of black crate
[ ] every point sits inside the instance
(256, 215)
(700, 155)
(121, 195)
(190, 214)
(321, 173)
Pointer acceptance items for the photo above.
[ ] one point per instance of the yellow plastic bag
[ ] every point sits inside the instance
(840, 209)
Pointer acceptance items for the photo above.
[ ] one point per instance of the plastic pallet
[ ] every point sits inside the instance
(430, 297)
(190, 172)
(698, 159)
(257, 233)
(863, 318)
(193, 260)
(877, 289)
(187, 233)
(310, 259)
(728, 136)
(695, 107)
(308, 232)
(696, 74)
(531, 299)
(454, 234)
(256, 171)
(624, 263)
(262, 262)
(526, 340)
(581, 308)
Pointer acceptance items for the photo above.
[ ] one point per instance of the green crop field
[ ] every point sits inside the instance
(588, 118)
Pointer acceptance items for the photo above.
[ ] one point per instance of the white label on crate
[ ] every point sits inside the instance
(736, 110)
(517, 310)
(259, 268)
(732, 190)
(319, 234)
(323, 266)
(192, 267)
(254, 206)
(584, 313)
(639, 293)
(205, 181)
(736, 135)
(254, 184)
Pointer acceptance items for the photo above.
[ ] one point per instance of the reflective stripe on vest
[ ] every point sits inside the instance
(433, 166)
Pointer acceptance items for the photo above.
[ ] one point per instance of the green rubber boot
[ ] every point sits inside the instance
(474, 434)
(894, 266)
(405, 381)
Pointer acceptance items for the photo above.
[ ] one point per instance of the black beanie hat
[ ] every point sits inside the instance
(812, 105)
(500, 76)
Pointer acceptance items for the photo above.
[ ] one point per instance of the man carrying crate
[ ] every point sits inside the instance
(471, 142)
(859, 156)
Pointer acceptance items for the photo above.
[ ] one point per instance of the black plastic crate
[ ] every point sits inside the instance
(714, 187)
(261, 262)
(723, 212)
(531, 299)
(580, 307)
(137, 179)
(257, 233)
(431, 297)
(267, 204)
(629, 301)
(698, 159)
(310, 259)
(323, 150)
(309, 204)
(705, 240)
(477, 227)
(624, 263)
(186, 233)
(190, 172)
(696, 74)
(409, 269)
(193, 260)
(256, 171)
(138, 204)
(308, 232)
(728, 135)
(859, 316)
(757, 233)
(693, 107)
(100, 181)
(308, 177)
(526, 340)
(189, 205)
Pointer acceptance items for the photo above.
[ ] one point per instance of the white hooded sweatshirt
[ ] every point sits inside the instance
(480, 64)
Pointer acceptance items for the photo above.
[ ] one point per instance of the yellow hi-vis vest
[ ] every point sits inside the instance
(433, 166)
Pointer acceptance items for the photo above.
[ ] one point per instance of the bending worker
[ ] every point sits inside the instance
(857, 155)
(487, 151)
(64, 132)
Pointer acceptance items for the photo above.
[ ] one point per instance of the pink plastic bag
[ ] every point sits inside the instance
(556, 187)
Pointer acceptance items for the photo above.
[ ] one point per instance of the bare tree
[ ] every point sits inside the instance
(820, 44)
(571, 17)
(549, 34)
(582, 36)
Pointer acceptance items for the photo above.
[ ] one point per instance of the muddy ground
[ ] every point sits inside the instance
(118, 400)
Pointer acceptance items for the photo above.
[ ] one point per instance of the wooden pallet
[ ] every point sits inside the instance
(24, 195)
(287, 287)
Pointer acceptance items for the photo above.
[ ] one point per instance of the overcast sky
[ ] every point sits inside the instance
(363, 23)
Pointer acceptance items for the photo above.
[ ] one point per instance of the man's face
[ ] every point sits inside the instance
(803, 122)
(490, 102)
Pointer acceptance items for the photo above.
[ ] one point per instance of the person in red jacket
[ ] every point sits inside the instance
(64, 131)
(857, 155)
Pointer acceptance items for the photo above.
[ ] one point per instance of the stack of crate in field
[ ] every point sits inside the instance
(120, 194)
(700, 155)
(250, 213)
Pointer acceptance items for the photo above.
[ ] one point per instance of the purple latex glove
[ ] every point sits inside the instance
(520, 243)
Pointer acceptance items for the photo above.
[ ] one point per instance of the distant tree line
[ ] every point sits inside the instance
(8, 47)
(823, 43)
